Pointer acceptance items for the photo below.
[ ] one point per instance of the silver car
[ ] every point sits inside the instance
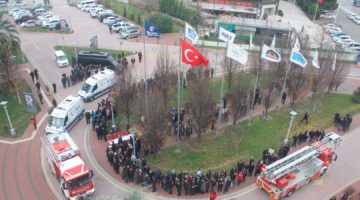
(131, 33)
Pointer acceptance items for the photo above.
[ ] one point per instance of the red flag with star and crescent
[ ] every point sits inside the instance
(190, 55)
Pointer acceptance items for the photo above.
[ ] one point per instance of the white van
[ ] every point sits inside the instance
(66, 114)
(85, 2)
(61, 59)
(97, 85)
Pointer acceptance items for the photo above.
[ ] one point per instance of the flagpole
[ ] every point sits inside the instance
(316, 9)
(178, 104)
(145, 73)
(255, 86)
(216, 61)
(221, 94)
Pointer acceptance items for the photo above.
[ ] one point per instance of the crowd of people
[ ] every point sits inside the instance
(308, 136)
(342, 123)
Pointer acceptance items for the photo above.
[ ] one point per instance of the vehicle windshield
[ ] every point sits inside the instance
(62, 58)
(79, 182)
(86, 87)
(113, 61)
(57, 122)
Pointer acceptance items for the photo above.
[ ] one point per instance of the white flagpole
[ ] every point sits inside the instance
(316, 9)
(145, 73)
(221, 94)
(178, 103)
(216, 61)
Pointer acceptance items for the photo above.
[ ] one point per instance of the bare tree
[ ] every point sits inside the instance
(124, 94)
(230, 67)
(268, 82)
(155, 124)
(201, 105)
(239, 95)
(339, 73)
(165, 75)
(296, 83)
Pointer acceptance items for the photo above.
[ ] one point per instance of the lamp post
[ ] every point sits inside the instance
(293, 114)
(12, 129)
(132, 131)
(113, 126)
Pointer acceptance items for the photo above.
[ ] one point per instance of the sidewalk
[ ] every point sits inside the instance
(41, 116)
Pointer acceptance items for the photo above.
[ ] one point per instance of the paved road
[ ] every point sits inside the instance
(39, 50)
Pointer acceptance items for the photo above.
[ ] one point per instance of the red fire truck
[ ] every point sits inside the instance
(66, 165)
(283, 177)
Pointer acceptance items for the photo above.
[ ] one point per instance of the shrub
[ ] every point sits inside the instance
(132, 17)
(356, 95)
(124, 12)
(280, 13)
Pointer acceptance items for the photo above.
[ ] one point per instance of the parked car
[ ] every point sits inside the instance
(353, 45)
(3, 4)
(111, 20)
(40, 11)
(103, 16)
(116, 21)
(105, 20)
(28, 24)
(125, 29)
(332, 27)
(53, 24)
(351, 15)
(19, 4)
(339, 38)
(337, 34)
(10, 12)
(356, 20)
(22, 19)
(131, 33)
(328, 15)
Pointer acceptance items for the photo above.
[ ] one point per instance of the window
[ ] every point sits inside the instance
(66, 120)
(94, 89)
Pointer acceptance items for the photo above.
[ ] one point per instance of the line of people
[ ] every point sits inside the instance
(342, 123)
(307, 136)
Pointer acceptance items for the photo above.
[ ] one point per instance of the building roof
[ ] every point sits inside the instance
(229, 8)
(260, 23)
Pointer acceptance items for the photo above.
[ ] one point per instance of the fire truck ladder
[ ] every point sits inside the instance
(290, 162)
(49, 149)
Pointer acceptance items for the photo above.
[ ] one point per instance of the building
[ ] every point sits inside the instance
(239, 8)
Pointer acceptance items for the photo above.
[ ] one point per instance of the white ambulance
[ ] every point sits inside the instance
(66, 114)
(97, 85)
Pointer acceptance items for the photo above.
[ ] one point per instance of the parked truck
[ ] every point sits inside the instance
(66, 165)
(283, 177)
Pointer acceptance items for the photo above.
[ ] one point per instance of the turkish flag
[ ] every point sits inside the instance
(190, 55)
(321, 2)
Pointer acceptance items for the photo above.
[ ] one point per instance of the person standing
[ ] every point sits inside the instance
(87, 117)
(132, 62)
(54, 87)
(40, 97)
(140, 56)
(37, 84)
(306, 117)
(32, 75)
(54, 103)
(33, 122)
(227, 185)
(68, 81)
(63, 81)
(213, 195)
(36, 74)
(283, 98)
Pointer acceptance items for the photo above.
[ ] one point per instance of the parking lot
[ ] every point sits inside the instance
(348, 26)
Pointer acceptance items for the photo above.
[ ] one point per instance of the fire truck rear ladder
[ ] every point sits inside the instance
(289, 163)
(49, 149)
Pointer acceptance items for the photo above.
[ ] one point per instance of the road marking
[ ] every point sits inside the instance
(29, 138)
(46, 176)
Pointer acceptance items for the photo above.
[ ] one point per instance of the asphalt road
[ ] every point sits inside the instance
(348, 26)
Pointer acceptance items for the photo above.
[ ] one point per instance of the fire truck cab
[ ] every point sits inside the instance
(76, 180)
(66, 165)
(281, 178)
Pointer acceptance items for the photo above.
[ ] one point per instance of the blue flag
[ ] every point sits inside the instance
(151, 30)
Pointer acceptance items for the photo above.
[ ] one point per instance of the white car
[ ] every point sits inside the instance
(106, 20)
(10, 12)
(332, 27)
(19, 4)
(20, 12)
(3, 4)
(85, 7)
(353, 45)
(351, 16)
(28, 24)
(46, 22)
(356, 20)
(328, 16)
(339, 38)
(345, 42)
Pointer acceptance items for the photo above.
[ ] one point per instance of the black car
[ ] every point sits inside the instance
(23, 19)
(103, 16)
(97, 58)
(115, 21)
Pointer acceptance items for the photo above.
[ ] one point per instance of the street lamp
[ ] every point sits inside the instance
(293, 114)
(132, 131)
(12, 130)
